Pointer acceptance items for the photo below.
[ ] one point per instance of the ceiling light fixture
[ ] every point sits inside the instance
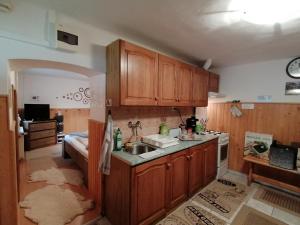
(5, 6)
(265, 12)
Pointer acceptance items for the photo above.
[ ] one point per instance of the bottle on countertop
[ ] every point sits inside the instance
(118, 140)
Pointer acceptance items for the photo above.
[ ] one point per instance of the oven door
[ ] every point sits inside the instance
(223, 152)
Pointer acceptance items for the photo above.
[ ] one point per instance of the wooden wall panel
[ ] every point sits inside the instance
(8, 169)
(74, 119)
(281, 120)
(96, 135)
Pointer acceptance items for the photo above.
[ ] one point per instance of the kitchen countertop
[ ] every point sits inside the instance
(134, 160)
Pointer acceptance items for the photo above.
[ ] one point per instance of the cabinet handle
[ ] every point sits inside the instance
(188, 157)
(169, 165)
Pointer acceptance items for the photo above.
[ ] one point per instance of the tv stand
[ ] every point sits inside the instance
(40, 134)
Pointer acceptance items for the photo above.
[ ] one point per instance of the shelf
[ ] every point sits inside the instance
(252, 160)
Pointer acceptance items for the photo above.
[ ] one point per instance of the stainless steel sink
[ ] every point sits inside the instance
(139, 148)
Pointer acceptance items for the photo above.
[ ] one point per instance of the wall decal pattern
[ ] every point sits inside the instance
(82, 95)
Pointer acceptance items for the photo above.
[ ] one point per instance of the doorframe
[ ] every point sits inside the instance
(15, 66)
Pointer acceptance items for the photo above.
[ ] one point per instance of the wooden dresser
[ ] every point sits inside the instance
(40, 134)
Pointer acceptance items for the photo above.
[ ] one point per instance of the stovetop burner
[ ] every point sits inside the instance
(212, 132)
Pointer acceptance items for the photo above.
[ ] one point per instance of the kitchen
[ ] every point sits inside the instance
(147, 93)
(193, 119)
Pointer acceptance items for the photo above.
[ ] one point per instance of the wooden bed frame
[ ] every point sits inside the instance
(70, 152)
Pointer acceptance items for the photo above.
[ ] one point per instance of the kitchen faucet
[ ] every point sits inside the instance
(134, 126)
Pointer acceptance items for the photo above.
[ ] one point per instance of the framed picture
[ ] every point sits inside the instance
(257, 144)
(292, 88)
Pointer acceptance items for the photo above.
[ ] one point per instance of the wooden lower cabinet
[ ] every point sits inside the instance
(143, 194)
(196, 169)
(149, 191)
(210, 163)
(177, 179)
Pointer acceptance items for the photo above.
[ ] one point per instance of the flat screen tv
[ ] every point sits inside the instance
(37, 112)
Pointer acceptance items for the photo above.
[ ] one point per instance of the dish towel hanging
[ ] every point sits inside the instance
(107, 147)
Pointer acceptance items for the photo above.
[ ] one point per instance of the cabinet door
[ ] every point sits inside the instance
(214, 82)
(178, 178)
(184, 85)
(200, 87)
(139, 75)
(149, 192)
(210, 158)
(196, 169)
(167, 81)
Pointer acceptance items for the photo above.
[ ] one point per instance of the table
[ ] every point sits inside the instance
(252, 160)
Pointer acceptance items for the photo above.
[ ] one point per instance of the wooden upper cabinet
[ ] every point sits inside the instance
(214, 80)
(184, 87)
(140, 77)
(200, 87)
(132, 75)
(167, 81)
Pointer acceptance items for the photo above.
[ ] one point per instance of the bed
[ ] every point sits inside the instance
(76, 147)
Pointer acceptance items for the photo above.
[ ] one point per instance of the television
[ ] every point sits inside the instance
(37, 112)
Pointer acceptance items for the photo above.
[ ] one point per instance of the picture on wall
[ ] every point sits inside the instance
(257, 144)
(292, 88)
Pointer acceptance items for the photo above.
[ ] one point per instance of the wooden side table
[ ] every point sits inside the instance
(252, 176)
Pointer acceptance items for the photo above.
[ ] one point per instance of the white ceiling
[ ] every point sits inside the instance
(186, 29)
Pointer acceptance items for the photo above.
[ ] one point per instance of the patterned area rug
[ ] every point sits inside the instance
(250, 216)
(286, 202)
(58, 176)
(223, 197)
(190, 214)
(53, 205)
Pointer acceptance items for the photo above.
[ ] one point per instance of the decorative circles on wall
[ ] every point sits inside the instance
(85, 101)
(77, 96)
(83, 95)
(87, 93)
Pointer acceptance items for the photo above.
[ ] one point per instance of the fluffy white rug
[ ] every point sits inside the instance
(58, 176)
(53, 205)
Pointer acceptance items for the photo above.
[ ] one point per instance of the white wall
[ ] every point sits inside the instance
(23, 34)
(97, 85)
(247, 82)
(56, 91)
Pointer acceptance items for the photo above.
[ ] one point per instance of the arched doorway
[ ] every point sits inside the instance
(19, 65)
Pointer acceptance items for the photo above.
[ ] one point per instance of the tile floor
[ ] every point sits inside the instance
(249, 201)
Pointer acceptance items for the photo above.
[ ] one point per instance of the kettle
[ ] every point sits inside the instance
(164, 129)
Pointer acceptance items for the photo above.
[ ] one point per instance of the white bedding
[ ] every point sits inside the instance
(79, 143)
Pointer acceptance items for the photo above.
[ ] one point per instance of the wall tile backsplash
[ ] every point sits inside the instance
(150, 117)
